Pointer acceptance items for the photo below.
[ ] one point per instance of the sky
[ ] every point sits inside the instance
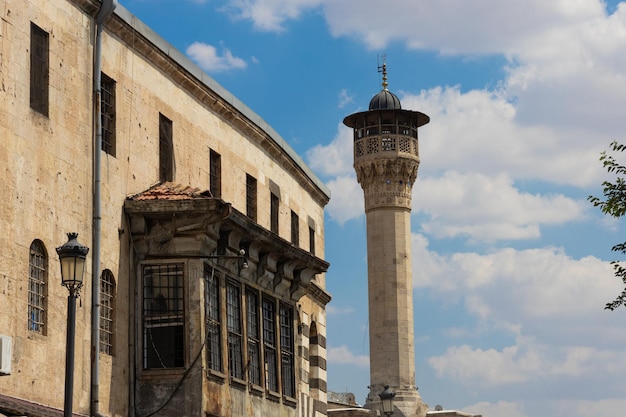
(510, 261)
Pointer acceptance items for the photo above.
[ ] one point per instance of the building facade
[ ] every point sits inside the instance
(206, 230)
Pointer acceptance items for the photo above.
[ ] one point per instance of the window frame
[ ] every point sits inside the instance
(295, 228)
(254, 334)
(215, 174)
(234, 330)
(287, 350)
(274, 212)
(251, 197)
(38, 288)
(107, 109)
(167, 311)
(270, 346)
(213, 320)
(107, 312)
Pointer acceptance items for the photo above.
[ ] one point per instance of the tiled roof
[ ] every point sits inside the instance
(171, 191)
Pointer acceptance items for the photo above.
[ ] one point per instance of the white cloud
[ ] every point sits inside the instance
(269, 15)
(501, 408)
(345, 98)
(208, 58)
(343, 355)
(332, 310)
(488, 208)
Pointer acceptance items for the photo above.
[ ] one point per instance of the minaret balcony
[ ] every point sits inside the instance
(386, 145)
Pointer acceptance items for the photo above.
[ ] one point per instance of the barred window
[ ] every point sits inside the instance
(166, 149)
(254, 345)
(37, 287)
(163, 316)
(269, 344)
(215, 174)
(213, 322)
(107, 106)
(287, 351)
(39, 69)
(251, 197)
(107, 310)
(233, 319)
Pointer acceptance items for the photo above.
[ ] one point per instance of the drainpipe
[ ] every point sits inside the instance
(106, 10)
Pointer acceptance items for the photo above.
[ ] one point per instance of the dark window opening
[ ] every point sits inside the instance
(215, 174)
(251, 202)
(295, 229)
(274, 204)
(107, 106)
(164, 316)
(166, 150)
(312, 240)
(39, 69)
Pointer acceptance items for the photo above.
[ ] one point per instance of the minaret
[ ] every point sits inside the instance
(386, 158)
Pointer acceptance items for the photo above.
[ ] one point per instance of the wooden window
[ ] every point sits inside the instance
(254, 345)
(251, 203)
(163, 316)
(235, 334)
(37, 287)
(287, 351)
(107, 311)
(215, 174)
(295, 228)
(166, 149)
(274, 205)
(213, 322)
(107, 106)
(269, 344)
(39, 69)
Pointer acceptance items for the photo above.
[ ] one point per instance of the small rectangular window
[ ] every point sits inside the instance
(215, 174)
(39, 69)
(213, 322)
(233, 316)
(166, 149)
(107, 106)
(312, 240)
(163, 316)
(274, 205)
(295, 228)
(251, 197)
(107, 305)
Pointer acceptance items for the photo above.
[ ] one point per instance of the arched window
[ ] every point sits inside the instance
(107, 311)
(37, 287)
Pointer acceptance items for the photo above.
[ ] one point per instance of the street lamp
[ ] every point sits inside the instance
(72, 256)
(386, 399)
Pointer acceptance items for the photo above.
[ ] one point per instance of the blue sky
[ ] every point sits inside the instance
(509, 259)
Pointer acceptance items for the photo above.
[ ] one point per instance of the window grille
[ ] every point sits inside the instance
(233, 319)
(269, 344)
(213, 322)
(107, 305)
(164, 316)
(287, 351)
(37, 287)
(251, 202)
(107, 106)
(254, 352)
(215, 174)
(39, 69)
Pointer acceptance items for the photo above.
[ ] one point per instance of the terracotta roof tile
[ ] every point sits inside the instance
(171, 191)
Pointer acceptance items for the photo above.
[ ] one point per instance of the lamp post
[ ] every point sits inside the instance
(386, 399)
(72, 256)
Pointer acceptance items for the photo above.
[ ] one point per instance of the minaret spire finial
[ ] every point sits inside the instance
(383, 69)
